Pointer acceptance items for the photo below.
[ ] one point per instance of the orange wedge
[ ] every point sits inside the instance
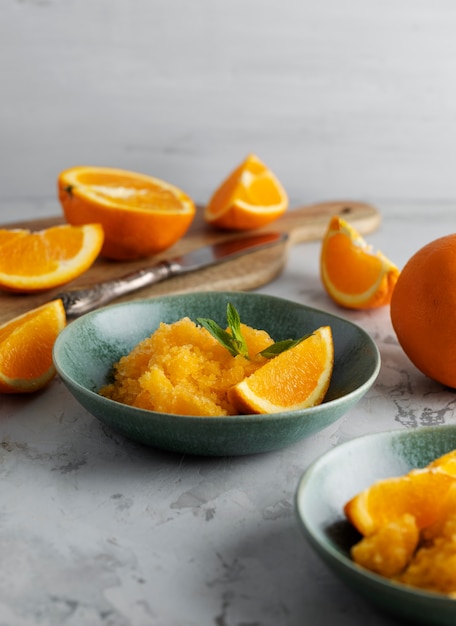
(421, 493)
(353, 275)
(141, 215)
(295, 379)
(250, 197)
(26, 344)
(36, 261)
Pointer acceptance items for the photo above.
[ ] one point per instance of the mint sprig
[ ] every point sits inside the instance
(280, 346)
(234, 341)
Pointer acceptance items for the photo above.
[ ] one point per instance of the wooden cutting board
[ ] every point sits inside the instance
(248, 272)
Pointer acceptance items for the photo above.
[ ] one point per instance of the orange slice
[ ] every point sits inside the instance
(36, 261)
(141, 215)
(421, 493)
(26, 344)
(353, 275)
(250, 197)
(295, 379)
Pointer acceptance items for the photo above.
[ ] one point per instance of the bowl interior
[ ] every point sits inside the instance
(344, 471)
(86, 350)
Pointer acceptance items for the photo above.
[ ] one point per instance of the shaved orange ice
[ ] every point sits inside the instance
(408, 527)
(182, 369)
(203, 370)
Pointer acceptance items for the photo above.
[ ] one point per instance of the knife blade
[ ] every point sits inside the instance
(79, 301)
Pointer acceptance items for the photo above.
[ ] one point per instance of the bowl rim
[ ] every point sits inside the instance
(316, 536)
(221, 419)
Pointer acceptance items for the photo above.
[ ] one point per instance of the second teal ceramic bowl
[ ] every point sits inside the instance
(86, 350)
(343, 472)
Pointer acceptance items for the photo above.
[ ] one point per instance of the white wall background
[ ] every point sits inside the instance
(341, 98)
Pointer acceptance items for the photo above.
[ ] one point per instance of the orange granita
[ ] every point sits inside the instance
(433, 567)
(414, 543)
(182, 369)
(388, 551)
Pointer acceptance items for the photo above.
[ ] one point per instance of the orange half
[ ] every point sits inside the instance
(353, 275)
(36, 261)
(141, 215)
(250, 197)
(295, 379)
(26, 344)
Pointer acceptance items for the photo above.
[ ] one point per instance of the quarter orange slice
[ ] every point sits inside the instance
(36, 261)
(295, 379)
(250, 197)
(353, 275)
(141, 215)
(421, 493)
(26, 344)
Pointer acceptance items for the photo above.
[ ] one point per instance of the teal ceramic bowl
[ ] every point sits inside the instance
(341, 473)
(87, 348)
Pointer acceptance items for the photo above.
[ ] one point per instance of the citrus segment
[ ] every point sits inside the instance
(8, 235)
(295, 379)
(423, 309)
(36, 261)
(420, 493)
(26, 344)
(141, 215)
(250, 197)
(353, 275)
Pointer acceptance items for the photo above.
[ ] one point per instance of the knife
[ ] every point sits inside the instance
(79, 301)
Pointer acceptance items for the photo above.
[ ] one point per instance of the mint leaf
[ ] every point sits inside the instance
(234, 323)
(280, 346)
(234, 342)
(221, 335)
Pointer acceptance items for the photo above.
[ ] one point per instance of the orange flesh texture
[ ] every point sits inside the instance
(26, 348)
(446, 463)
(359, 270)
(388, 551)
(289, 379)
(145, 216)
(254, 186)
(182, 369)
(222, 197)
(420, 493)
(36, 261)
(250, 197)
(50, 247)
(352, 273)
(131, 192)
(7, 236)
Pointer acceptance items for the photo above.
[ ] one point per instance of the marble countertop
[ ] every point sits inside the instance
(98, 530)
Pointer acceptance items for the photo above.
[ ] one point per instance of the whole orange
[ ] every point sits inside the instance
(423, 309)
